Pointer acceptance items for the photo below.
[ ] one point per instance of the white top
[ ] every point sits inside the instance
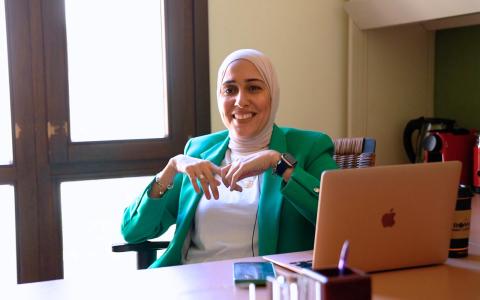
(228, 227)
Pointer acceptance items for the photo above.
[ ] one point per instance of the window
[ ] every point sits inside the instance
(6, 153)
(116, 70)
(48, 90)
(91, 215)
(8, 271)
(183, 65)
(101, 204)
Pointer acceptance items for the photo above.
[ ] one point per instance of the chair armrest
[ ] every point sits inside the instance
(144, 246)
(146, 251)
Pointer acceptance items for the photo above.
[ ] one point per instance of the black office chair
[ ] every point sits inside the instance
(146, 251)
(349, 153)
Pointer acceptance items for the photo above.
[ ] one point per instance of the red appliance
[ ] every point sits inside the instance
(415, 132)
(476, 164)
(454, 144)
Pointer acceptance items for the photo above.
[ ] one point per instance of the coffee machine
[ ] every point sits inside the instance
(453, 144)
(415, 132)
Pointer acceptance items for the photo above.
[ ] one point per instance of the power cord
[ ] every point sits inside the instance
(253, 232)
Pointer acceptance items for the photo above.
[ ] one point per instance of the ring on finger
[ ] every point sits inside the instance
(201, 177)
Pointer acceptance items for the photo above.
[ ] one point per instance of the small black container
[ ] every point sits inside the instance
(461, 223)
(333, 284)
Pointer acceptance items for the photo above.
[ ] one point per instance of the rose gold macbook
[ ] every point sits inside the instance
(393, 216)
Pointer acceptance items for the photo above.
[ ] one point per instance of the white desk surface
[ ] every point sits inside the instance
(457, 279)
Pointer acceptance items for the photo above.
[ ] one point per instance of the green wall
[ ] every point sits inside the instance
(457, 75)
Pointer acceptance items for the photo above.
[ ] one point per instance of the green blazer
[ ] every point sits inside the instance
(286, 213)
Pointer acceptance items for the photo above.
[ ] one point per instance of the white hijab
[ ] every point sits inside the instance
(265, 67)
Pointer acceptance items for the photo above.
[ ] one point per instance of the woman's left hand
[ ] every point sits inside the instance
(252, 165)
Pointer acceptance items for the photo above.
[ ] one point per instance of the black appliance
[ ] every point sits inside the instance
(415, 132)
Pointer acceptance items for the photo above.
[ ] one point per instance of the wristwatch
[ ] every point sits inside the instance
(286, 161)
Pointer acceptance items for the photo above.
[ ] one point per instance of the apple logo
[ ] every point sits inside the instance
(388, 219)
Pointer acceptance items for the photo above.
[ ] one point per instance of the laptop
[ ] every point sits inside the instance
(394, 217)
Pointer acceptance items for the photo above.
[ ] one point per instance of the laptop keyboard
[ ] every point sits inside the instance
(306, 264)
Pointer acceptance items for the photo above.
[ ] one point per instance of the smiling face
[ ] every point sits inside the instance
(246, 99)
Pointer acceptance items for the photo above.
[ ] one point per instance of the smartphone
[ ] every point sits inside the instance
(245, 273)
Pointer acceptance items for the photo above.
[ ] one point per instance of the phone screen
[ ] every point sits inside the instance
(252, 272)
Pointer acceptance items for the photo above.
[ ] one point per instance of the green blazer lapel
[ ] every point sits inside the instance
(216, 153)
(270, 203)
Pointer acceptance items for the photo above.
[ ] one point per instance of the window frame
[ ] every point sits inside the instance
(179, 17)
(37, 64)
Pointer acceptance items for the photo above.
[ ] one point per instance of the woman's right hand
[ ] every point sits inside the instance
(198, 170)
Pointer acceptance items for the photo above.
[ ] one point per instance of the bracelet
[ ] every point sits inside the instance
(163, 190)
(274, 169)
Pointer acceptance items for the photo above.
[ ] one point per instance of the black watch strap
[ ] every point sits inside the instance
(286, 161)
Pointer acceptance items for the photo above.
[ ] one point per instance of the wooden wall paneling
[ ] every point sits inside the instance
(26, 208)
(202, 66)
(179, 65)
(56, 77)
(48, 196)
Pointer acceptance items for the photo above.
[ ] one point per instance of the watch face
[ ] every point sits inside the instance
(286, 161)
(289, 159)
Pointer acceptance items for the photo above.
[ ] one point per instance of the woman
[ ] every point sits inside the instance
(263, 179)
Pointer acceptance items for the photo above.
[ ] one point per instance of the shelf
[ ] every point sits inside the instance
(436, 14)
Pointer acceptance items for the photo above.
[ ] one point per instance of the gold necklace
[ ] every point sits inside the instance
(245, 183)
